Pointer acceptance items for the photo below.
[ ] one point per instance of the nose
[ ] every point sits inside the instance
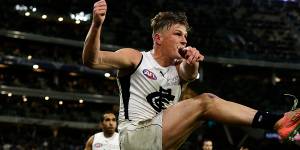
(111, 123)
(183, 41)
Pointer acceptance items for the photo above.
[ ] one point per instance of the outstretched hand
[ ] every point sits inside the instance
(99, 12)
(191, 55)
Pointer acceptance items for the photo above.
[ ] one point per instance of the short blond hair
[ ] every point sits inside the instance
(167, 19)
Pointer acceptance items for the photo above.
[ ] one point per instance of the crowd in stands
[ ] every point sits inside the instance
(266, 30)
(22, 136)
(34, 137)
(70, 55)
(57, 80)
(260, 88)
(39, 108)
(251, 86)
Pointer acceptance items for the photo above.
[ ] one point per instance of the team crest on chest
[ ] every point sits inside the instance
(149, 74)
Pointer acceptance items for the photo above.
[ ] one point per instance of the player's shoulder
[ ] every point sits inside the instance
(116, 135)
(130, 52)
(98, 134)
(90, 140)
(134, 55)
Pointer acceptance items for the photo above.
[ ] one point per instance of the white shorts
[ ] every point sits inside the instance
(143, 135)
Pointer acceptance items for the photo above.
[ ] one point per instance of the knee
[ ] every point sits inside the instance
(206, 102)
(206, 98)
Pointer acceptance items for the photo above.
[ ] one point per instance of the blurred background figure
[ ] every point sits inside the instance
(244, 148)
(207, 144)
(108, 138)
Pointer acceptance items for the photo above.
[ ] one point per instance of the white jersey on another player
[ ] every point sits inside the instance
(147, 91)
(100, 142)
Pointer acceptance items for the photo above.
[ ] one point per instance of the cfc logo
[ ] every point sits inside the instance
(160, 99)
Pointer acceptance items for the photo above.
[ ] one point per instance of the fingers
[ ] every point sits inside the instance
(193, 55)
(100, 8)
(191, 58)
(101, 12)
(100, 3)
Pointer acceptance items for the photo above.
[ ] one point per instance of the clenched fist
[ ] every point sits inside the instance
(99, 12)
(191, 54)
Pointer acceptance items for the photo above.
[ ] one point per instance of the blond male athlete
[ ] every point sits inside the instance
(151, 115)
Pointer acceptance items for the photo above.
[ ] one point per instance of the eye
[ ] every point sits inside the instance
(178, 34)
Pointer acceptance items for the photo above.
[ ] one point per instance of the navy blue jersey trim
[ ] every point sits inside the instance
(125, 86)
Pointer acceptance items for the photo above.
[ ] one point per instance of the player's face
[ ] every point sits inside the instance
(207, 145)
(174, 38)
(109, 123)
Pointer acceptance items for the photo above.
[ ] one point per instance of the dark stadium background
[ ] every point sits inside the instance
(49, 100)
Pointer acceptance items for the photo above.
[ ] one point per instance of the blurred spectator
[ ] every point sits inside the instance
(247, 29)
(207, 144)
(38, 108)
(244, 148)
(108, 138)
(39, 137)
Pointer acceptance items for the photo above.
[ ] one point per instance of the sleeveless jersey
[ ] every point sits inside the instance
(147, 90)
(100, 142)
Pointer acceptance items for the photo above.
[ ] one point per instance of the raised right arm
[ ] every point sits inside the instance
(95, 58)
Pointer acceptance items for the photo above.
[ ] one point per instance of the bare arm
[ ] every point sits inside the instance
(187, 71)
(95, 58)
(90, 53)
(89, 143)
(188, 68)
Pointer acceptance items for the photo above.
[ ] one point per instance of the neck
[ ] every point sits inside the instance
(108, 135)
(161, 58)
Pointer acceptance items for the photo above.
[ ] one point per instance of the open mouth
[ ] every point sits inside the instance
(182, 51)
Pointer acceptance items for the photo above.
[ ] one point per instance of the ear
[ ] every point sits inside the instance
(157, 38)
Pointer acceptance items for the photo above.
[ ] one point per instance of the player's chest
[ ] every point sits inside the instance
(166, 77)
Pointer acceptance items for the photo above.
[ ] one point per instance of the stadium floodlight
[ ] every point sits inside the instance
(277, 79)
(9, 94)
(24, 98)
(81, 16)
(60, 19)
(21, 7)
(81, 101)
(107, 75)
(33, 9)
(44, 16)
(27, 13)
(47, 98)
(35, 66)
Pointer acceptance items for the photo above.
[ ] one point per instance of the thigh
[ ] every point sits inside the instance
(179, 121)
